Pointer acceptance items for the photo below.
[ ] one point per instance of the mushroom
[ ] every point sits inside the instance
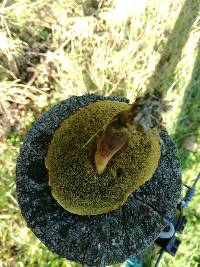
(143, 115)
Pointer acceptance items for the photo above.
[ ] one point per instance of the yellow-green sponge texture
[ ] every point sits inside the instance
(70, 162)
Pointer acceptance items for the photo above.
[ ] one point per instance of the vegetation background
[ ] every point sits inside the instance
(50, 50)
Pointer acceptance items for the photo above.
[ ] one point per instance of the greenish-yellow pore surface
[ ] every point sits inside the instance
(70, 161)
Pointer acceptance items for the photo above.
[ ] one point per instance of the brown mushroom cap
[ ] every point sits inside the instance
(70, 162)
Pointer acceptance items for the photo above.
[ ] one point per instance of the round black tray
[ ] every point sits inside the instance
(93, 240)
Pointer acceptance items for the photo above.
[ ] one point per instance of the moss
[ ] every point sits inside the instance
(70, 162)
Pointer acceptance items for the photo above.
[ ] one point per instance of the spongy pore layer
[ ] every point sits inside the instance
(74, 181)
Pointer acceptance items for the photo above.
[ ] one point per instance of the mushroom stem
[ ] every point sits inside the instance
(144, 115)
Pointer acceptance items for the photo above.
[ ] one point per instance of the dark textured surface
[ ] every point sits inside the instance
(93, 240)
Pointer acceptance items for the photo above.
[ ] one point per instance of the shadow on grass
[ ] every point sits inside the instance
(188, 119)
(165, 70)
(188, 122)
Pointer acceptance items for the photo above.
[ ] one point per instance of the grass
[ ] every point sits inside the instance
(50, 50)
